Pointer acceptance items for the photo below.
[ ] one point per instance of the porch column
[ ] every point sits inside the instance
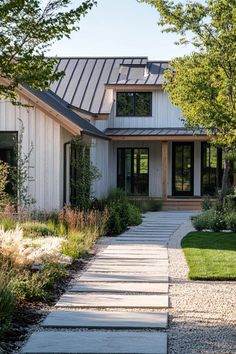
(164, 145)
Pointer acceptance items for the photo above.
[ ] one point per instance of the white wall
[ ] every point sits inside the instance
(44, 166)
(164, 114)
(100, 157)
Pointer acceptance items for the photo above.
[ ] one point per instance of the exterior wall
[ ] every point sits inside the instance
(164, 115)
(43, 133)
(65, 137)
(100, 157)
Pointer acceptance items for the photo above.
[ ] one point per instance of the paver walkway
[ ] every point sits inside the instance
(119, 303)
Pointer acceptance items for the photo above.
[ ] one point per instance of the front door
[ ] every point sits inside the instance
(182, 169)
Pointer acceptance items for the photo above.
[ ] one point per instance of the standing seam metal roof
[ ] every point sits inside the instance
(84, 83)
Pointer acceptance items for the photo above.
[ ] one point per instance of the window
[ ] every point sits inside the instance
(8, 141)
(212, 169)
(134, 104)
(133, 170)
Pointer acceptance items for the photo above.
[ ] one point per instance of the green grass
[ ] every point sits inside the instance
(210, 255)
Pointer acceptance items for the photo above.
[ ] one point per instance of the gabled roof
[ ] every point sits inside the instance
(61, 107)
(86, 80)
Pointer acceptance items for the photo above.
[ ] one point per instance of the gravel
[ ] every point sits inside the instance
(202, 314)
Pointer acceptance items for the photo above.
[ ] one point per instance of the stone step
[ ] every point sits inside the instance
(120, 287)
(110, 268)
(105, 320)
(129, 262)
(97, 300)
(99, 342)
(121, 277)
(132, 256)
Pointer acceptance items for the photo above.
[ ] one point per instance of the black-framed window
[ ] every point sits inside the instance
(212, 169)
(182, 168)
(133, 170)
(8, 146)
(134, 104)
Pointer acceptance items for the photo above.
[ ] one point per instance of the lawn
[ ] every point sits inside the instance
(210, 255)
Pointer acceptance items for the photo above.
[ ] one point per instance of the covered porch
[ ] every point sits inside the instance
(174, 164)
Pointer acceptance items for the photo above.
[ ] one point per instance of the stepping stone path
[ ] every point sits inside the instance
(119, 304)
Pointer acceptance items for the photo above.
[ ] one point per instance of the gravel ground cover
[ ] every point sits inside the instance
(202, 316)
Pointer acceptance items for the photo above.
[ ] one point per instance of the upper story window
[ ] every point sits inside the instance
(134, 104)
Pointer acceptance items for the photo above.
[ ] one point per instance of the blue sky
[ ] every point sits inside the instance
(120, 28)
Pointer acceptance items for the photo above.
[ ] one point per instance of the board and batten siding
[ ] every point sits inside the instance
(43, 134)
(100, 157)
(164, 115)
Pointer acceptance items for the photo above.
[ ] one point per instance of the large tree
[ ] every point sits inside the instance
(27, 30)
(203, 84)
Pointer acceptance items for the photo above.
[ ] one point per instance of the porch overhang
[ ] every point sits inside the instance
(156, 134)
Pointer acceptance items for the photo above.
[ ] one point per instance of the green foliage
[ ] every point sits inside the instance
(83, 174)
(202, 84)
(7, 298)
(147, 204)
(7, 223)
(202, 221)
(38, 285)
(28, 29)
(20, 173)
(78, 243)
(134, 215)
(34, 229)
(121, 212)
(230, 219)
(210, 255)
(4, 197)
(206, 203)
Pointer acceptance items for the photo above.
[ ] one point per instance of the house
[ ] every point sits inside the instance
(138, 140)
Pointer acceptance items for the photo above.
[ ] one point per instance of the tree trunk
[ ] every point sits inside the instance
(225, 181)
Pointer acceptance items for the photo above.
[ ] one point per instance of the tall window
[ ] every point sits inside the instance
(134, 104)
(8, 141)
(133, 170)
(212, 169)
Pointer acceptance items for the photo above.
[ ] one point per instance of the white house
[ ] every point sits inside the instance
(139, 142)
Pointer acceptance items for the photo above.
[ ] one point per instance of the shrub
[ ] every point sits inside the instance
(231, 221)
(134, 215)
(8, 224)
(26, 251)
(202, 221)
(36, 229)
(147, 204)
(210, 219)
(121, 212)
(7, 299)
(38, 285)
(217, 221)
(206, 203)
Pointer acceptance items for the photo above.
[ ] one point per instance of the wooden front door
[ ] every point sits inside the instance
(182, 169)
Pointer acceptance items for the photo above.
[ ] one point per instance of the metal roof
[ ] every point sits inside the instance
(153, 132)
(61, 107)
(84, 83)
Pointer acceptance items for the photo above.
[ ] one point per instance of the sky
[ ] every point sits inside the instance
(120, 28)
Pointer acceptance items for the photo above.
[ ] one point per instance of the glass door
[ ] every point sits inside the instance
(182, 169)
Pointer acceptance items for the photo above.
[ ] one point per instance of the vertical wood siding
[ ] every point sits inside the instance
(43, 133)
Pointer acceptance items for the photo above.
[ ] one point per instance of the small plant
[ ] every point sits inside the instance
(206, 203)
(134, 215)
(83, 174)
(202, 221)
(34, 229)
(38, 285)
(4, 197)
(147, 204)
(231, 221)
(7, 298)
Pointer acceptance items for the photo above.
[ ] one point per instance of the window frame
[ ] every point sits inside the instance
(132, 168)
(134, 107)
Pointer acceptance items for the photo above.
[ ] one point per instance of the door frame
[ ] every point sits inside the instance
(174, 192)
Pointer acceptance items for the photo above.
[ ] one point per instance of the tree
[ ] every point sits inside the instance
(203, 84)
(27, 31)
